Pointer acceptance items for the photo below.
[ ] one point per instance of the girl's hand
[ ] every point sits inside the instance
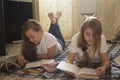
(21, 59)
(100, 71)
(51, 67)
(68, 61)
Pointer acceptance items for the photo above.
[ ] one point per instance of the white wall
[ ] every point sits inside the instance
(88, 6)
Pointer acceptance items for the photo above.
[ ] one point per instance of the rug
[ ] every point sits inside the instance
(112, 73)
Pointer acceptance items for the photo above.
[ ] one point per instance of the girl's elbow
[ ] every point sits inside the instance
(51, 56)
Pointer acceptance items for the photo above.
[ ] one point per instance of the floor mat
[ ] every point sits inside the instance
(112, 73)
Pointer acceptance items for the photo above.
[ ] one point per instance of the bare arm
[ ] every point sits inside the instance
(105, 64)
(70, 57)
(105, 60)
(51, 53)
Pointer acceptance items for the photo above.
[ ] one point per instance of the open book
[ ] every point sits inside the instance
(39, 63)
(77, 72)
(117, 60)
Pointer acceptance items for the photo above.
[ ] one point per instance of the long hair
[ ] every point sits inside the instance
(29, 49)
(95, 25)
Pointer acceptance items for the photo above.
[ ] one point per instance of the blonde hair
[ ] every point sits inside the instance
(95, 25)
(30, 24)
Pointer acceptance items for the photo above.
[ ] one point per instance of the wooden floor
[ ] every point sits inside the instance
(13, 48)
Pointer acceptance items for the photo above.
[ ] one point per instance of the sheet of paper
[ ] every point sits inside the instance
(68, 67)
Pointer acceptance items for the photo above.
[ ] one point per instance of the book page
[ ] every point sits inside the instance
(39, 63)
(46, 61)
(87, 76)
(87, 71)
(68, 67)
(117, 60)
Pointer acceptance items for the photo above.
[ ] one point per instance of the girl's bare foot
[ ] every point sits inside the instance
(52, 17)
(58, 15)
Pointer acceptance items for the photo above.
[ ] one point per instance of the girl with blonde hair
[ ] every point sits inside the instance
(89, 45)
(38, 44)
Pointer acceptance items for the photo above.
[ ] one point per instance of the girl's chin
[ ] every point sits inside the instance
(35, 43)
(38, 43)
(90, 43)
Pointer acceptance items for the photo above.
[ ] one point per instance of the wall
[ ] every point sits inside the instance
(70, 19)
(88, 6)
(108, 12)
